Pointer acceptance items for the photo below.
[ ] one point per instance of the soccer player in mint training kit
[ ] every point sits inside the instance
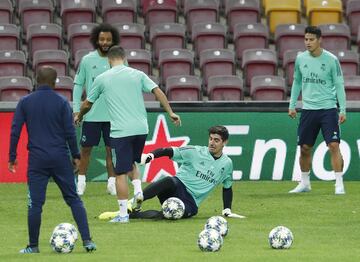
(97, 121)
(202, 168)
(319, 77)
(51, 132)
(122, 87)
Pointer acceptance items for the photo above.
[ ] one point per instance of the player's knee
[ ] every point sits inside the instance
(305, 150)
(86, 151)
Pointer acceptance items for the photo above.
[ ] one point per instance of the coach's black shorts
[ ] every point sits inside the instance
(312, 121)
(91, 133)
(125, 151)
(191, 208)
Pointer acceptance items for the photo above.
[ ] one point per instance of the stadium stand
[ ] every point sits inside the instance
(140, 59)
(335, 36)
(12, 88)
(132, 35)
(287, 37)
(289, 64)
(197, 11)
(183, 88)
(123, 11)
(228, 88)
(349, 61)
(352, 87)
(77, 11)
(268, 88)
(9, 37)
(64, 86)
(12, 63)
(159, 11)
(79, 36)
(353, 15)
(324, 12)
(58, 59)
(6, 12)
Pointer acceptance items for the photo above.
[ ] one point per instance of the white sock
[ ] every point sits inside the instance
(111, 180)
(305, 178)
(122, 207)
(137, 186)
(338, 178)
(81, 179)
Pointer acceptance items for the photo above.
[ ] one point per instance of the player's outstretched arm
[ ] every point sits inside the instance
(227, 201)
(146, 158)
(161, 97)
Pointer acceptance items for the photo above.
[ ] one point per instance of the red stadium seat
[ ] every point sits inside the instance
(258, 62)
(64, 86)
(139, 59)
(335, 36)
(115, 11)
(289, 64)
(79, 55)
(183, 88)
(58, 59)
(349, 61)
(9, 37)
(197, 11)
(6, 12)
(229, 88)
(34, 12)
(289, 36)
(131, 35)
(242, 11)
(43, 36)
(352, 87)
(216, 62)
(79, 37)
(150, 96)
(12, 88)
(174, 62)
(247, 36)
(77, 11)
(268, 88)
(353, 16)
(160, 11)
(12, 63)
(166, 36)
(208, 36)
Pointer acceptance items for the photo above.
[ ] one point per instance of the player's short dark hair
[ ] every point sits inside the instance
(116, 52)
(221, 131)
(313, 30)
(46, 75)
(95, 32)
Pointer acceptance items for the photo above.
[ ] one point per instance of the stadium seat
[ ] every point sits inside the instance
(139, 59)
(64, 86)
(216, 62)
(12, 63)
(353, 16)
(79, 55)
(268, 88)
(282, 12)
(175, 62)
(79, 36)
(34, 12)
(247, 36)
(324, 12)
(352, 87)
(159, 11)
(335, 36)
(208, 36)
(229, 88)
(349, 61)
(289, 36)
(6, 12)
(166, 36)
(43, 36)
(243, 11)
(12, 88)
(183, 88)
(289, 64)
(197, 11)
(150, 96)
(258, 62)
(115, 11)
(9, 37)
(77, 11)
(131, 35)
(58, 59)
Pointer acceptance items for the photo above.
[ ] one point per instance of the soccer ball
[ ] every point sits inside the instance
(62, 241)
(67, 227)
(219, 224)
(280, 237)
(210, 240)
(173, 208)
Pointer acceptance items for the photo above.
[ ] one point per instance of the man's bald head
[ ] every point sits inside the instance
(46, 75)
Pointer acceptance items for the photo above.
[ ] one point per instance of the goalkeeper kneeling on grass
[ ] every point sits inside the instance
(202, 169)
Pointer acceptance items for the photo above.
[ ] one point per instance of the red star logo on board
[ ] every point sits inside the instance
(161, 138)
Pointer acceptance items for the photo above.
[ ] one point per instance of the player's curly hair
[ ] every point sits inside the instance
(94, 37)
(221, 131)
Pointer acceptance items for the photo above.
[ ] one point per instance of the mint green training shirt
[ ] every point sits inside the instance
(122, 87)
(320, 80)
(200, 172)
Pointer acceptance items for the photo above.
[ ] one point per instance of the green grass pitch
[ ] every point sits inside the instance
(325, 227)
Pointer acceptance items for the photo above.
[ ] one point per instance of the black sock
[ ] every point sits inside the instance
(162, 186)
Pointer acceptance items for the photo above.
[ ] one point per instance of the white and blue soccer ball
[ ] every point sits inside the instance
(62, 241)
(68, 227)
(280, 237)
(173, 208)
(210, 240)
(219, 224)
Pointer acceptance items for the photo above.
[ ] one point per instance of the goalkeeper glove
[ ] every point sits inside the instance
(146, 158)
(227, 213)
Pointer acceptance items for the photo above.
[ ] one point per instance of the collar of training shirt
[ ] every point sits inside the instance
(43, 87)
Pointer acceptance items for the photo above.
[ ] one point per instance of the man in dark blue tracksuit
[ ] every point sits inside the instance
(51, 132)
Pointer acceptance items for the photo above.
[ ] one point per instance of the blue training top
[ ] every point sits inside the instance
(51, 131)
